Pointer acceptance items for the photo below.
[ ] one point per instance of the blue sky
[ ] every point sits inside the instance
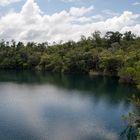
(51, 6)
(122, 15)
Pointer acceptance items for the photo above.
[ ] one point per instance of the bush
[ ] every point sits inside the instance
(128, 75)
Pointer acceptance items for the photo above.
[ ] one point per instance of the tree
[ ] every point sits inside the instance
(129, 36)
(112, 37)
(96, 36)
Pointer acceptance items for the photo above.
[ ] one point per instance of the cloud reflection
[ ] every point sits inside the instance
(51, 113)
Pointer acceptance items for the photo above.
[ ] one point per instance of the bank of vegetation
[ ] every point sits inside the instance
(113, 54)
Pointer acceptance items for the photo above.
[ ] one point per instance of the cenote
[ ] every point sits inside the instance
(48, 106)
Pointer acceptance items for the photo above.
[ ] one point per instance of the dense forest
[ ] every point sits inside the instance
(113, 54)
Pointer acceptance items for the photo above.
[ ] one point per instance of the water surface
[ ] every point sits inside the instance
(46, 106)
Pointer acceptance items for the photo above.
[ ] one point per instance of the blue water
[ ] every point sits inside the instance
(46, 106)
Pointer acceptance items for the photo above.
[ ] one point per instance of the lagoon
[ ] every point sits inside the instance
(48, 106)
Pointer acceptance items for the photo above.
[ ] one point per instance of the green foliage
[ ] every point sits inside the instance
(132, 131)
(114, 54)
(135, 100)
(128, 75)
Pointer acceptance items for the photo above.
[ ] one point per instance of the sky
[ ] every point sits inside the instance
(64, 20)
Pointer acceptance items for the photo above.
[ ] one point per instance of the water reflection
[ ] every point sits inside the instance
(46, 106)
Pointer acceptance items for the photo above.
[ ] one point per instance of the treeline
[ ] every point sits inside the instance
(113, 54)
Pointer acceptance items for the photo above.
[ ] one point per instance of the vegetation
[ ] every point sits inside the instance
(132, 131)
(114, 54)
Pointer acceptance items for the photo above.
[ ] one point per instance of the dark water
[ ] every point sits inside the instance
(46, 106)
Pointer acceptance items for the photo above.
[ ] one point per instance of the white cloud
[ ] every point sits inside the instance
(70, 0)
(136, 3)
(30, 24)
(80, 11)
(109, 12)
(6, 2)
